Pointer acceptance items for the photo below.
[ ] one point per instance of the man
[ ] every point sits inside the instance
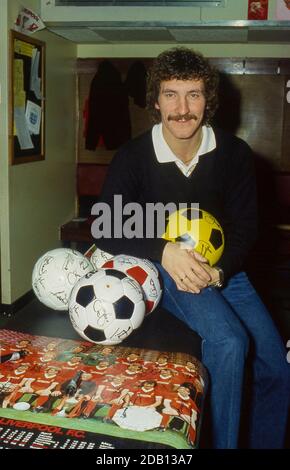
(146, 394)
(182, 405)
(11, 381)
(110, 391)
(184, 160)
(38, 386)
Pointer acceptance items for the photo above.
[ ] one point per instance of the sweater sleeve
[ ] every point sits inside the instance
(123, 183)
(240, 210)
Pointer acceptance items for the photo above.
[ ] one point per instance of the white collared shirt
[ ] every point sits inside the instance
(164, 153)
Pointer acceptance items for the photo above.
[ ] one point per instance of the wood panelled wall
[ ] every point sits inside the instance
(253, 105)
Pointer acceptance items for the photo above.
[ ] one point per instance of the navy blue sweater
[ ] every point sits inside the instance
(223, 183)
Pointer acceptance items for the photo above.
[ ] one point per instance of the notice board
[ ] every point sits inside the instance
(27, 98)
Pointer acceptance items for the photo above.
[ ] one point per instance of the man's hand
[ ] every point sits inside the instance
(187, 268)
(212, 271)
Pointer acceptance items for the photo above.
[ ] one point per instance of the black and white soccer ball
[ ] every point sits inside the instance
(54, 275)
(144, 272)
(106, 306)
(99, 257)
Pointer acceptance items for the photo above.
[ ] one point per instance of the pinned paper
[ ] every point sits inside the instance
(35, 81)
(20, 99)
(22, 130)
(33, 117)
(258, 10)
(283, 10)
(28, 22)
(18, 85)
(18, 74)
(23, 48)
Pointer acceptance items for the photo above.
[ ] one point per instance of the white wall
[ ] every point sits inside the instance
(4, 173)
(38, 197)
(209, 50)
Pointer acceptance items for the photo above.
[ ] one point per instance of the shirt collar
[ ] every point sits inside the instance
(164, 153)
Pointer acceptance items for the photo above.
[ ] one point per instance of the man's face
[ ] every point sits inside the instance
(102, 365)
(132, 357)
(134, 368)
(166, 373)
(22, 343)
(148, 385)
(48, 356)
(51, 371)
(182, 105)
(77, 349)
(75, 359)
(162, 360)
(106, 351)
(21, 369)
(183, 392)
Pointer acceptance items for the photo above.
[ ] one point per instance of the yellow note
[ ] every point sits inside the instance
(20, 99)
(18, 84)
(23, 48)
(18, 75)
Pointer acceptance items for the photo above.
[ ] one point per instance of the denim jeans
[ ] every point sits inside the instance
(226, 320)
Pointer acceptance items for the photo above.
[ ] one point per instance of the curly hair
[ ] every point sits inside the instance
(181, 63)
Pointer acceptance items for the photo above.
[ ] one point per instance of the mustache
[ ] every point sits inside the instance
(186, 117)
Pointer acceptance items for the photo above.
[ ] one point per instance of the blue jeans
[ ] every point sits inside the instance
(226, 320)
